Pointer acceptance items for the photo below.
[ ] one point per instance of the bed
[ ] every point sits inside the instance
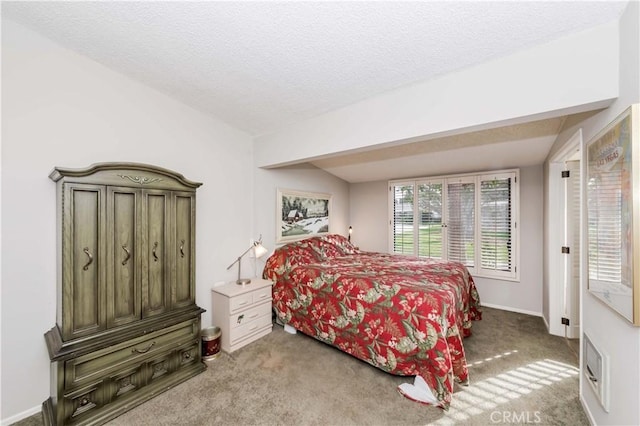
(405, 315)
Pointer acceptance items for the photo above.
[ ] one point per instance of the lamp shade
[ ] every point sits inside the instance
(259, 250)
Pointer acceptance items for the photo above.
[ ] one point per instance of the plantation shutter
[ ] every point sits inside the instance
(496, 223)
(461, 221)
(430, 219)
(402, 226)
(469, 219)
(605, 226)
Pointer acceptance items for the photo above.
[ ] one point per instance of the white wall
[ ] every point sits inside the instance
(370, 219)
(610, 332)
(524, 296)
(370, 215)
(568, 75)
(62, 109)
(302, 177)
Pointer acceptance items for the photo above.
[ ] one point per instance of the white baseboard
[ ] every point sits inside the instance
(21, 416)
(546, 323)
(509, 308)
(587, 411)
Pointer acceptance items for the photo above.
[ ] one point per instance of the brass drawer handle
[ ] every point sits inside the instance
(155, 247)
(126, 259)
(182, 248)
(143, 351)
(86, 250)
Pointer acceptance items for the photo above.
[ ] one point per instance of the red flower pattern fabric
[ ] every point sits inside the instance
(405, 315)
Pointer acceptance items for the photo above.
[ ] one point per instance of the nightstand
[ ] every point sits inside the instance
(243, 312)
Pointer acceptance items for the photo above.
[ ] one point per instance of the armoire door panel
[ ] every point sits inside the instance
(84, 250)
(183, 289)
(156, 297)
(123, 293)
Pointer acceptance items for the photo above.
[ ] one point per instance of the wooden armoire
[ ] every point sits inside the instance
(127, 325)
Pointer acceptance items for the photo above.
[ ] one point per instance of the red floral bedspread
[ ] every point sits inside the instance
(402, 314)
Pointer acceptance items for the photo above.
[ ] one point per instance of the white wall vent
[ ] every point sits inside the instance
(595, 365)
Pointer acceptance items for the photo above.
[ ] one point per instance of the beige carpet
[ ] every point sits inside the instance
(519, 374)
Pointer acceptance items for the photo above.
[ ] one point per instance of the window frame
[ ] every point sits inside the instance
(477, 178)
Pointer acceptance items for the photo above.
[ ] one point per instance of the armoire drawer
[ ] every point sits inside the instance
(89, 367)
(81, 402)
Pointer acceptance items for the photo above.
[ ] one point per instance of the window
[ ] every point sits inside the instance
(496, 225)
(403, 219)
(430, 219)
(470, 219)
(460, 224)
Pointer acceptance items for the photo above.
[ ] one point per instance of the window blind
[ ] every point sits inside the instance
(461, 222)
(496, 248)
(403, 236)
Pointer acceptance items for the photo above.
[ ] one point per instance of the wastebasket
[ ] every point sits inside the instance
(210, 343)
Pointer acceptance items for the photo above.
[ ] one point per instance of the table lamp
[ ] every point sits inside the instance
(259, 251)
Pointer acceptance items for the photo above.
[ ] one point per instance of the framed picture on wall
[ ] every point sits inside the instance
(301, 214)
(613, 215)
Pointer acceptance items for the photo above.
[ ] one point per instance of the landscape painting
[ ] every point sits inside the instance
(301, 215)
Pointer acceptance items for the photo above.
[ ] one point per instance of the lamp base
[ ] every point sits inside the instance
(243, 281)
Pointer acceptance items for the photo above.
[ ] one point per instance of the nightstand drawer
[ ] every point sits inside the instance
(240, 302)
(240, 333)
(242, 318)
(262, 295)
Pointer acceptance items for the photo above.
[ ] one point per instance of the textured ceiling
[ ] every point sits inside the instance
(260, 66)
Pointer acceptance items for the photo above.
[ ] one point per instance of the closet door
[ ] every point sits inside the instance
(156, 261)
(123, 258)
(83, 257)
(183, 288)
